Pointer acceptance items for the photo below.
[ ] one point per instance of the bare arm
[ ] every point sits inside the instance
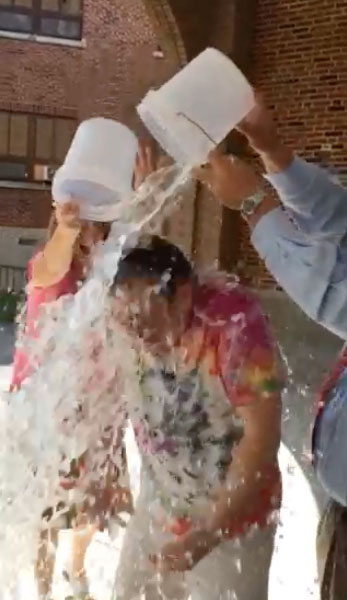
(315, 201)
(261, 132)
(231, 181)
(52, 264)
(249, 471)
(248, 474)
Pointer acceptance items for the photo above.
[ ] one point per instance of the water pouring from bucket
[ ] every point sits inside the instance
(98, 173)
(194, 112)
(41, 438)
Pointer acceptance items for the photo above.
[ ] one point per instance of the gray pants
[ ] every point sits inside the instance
(332, 552)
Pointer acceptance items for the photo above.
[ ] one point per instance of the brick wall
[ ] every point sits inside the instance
(299, 59)
(106, 76)
(24, 208)
(34, 78)
(300, 62)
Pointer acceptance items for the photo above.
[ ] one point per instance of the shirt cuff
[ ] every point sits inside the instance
(294, 180)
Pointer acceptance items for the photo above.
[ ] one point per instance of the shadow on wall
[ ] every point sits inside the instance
(309, 351)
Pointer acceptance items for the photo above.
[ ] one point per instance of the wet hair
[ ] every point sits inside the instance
(156, 259)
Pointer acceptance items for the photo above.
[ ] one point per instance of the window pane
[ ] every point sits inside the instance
(13, 171)
(64, 131)
(50, 5)
(4, 119)
(25, 3)
(71, 7)
(18, 135)
(12, 21)
(62, 28)
(44, 139)
(27, 241)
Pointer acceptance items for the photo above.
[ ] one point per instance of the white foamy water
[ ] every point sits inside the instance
(86, 360)
(84, 379)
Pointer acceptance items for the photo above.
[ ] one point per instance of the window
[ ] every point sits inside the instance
(32, 146)
(53, 18)
(22, 241)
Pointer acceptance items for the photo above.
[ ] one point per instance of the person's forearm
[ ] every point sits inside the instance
(253, 468)
(237, 500)
(317, 203)
(305, 269)
(56, 258)
(226, 514)
(277, 159)
(314, 200)
(231, 507)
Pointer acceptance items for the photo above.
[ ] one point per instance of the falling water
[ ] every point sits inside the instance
(85, 376)
(86, 361)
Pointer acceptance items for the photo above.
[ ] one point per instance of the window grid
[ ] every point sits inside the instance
(22, 168)
(35, 17)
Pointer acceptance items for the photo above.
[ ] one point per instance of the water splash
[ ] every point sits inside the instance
(85, 377)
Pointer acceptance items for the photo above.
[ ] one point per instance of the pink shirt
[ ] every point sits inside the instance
(37, 297)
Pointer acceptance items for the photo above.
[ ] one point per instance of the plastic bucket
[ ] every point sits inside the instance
(98, 169)
(198, 107)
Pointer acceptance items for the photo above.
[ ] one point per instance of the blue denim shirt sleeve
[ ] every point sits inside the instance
(313, 199)
(309, 257)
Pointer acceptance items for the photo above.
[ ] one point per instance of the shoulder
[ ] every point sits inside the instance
(226, 302)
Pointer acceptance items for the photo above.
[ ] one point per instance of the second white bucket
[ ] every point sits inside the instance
(198, 107)
(98, 169)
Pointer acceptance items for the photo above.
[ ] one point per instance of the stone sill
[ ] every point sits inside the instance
(41, 39)
(25, 185)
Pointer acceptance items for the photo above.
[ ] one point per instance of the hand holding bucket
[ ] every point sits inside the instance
(98, 169)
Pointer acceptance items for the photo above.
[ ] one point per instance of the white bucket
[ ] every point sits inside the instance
(198, 107)
(98, 169)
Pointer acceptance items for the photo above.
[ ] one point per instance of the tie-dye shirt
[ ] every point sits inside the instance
(185, 423)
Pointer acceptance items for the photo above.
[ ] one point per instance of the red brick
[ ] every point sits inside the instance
(300, 61)
(81, 82)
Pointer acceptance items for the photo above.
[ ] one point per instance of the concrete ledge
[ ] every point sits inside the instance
(25, 185)
(42, 39)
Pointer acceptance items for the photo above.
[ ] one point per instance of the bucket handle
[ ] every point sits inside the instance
(181, 114)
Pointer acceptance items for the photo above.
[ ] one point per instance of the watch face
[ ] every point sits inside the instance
(248, 206)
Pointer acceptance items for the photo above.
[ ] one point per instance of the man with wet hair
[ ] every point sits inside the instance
(207, 426)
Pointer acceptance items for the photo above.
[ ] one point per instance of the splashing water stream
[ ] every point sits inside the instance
(85, 375)
(84, 381)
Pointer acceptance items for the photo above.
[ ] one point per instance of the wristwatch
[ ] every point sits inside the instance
(251, 203)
